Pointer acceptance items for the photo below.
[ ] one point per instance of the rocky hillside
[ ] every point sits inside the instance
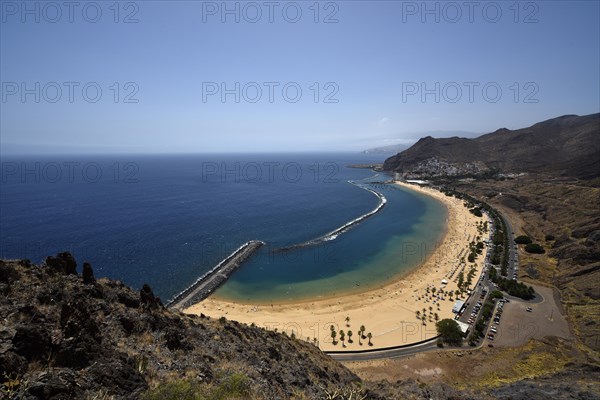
(70, 336)
(67, 336)
(564, 146)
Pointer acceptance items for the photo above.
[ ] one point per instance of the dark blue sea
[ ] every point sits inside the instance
(166, 219)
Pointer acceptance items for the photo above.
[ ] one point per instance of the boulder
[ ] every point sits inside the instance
(147, 298)
(88, 274)
(32, 341)
(63, 263)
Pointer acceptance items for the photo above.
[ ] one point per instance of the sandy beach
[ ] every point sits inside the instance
(389, 312)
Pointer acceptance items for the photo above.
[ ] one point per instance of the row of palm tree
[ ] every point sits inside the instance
(423, 316)
(349, 333)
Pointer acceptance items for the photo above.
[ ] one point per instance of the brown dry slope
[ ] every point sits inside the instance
(563, 146)
(541, 369)
(568, 211)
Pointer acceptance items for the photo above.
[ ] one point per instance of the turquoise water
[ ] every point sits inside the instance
(166, 220)
(382, 248)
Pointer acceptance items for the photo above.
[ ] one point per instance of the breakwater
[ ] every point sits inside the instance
(336, 232)
(209, 282)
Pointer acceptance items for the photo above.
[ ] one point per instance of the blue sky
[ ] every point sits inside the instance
(386, 72)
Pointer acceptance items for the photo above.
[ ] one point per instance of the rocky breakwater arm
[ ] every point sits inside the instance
(336, 232)
(209, 282)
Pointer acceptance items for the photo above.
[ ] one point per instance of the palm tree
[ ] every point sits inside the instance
(430, 308)
(418, 314)
(342, 338)
(333, 337)
(315, 341)
(348, 321)
(370, 336)
(362, 331)
(332, 328)
(349, 336)
(436, 317)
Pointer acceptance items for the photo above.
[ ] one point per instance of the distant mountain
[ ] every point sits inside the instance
(391, 149)
(564, 146)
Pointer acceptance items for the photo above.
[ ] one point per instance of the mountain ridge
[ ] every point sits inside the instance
(564, 146)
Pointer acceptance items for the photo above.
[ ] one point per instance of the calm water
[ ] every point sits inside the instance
(164, 220)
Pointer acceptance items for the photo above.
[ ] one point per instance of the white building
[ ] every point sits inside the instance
(458, 306)
(463, 327)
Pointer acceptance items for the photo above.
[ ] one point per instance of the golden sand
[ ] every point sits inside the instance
(389, 313)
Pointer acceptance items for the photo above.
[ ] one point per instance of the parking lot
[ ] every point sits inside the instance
(517, 325)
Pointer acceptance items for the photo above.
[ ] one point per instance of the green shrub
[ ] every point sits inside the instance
(549, 237)
(476, 212)
(496, 294)
(183, 389)
(233, 386)
(523, 239)
(449, 331)
(534, 248)
(513, 287)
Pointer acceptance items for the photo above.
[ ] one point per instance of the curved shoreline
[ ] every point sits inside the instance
(336, 232)
(357, 289)
(387, 311)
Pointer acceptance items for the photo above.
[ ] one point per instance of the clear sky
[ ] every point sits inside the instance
(193, 76)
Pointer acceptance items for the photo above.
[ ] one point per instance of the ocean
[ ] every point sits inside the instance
(166, 219)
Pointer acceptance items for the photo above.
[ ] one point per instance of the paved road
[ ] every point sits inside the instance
(513, 262)
(513, 255)
(471, 301)
(392, 353)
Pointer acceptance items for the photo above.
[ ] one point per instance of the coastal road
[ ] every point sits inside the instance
(484, 282)
(401, 351)
(513, 260)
